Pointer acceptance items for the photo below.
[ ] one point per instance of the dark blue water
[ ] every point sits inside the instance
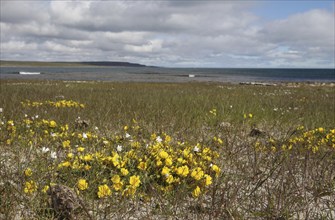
(155, 74)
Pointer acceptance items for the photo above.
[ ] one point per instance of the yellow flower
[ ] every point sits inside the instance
(250, 115)
(66, 144)
(64, 164)
(104, 191)
(30, 187)
(169, 179)
(208, 180)
(216, 169)
(159, 163)
(115, 159)
(135, 181)
(196, 192)
(124, 171)
(118, 186)
(129, 191)
(183, 171)
(153, 136)
(213, 111)
(168, 161)
(28, 172)
(82, 184)
(167, 139)
(70, 155)
(116, 179)
(80, 149)
(87, 157)
(197, 173)
(165, 171)
(142, 165)
(163, 154)
(87, 167)
(52, 124)
(45, 189)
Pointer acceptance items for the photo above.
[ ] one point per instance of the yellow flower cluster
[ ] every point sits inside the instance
(120, 164)
(57, 104)
(318, 139)
(30, 187)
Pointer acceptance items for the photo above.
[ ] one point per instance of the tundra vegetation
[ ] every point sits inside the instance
(107, 150)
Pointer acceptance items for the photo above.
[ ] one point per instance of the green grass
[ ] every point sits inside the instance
(260, 178)
(180, 107)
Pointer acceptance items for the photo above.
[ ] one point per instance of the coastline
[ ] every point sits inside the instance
(262, 77)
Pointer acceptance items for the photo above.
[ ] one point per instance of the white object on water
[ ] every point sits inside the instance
(191, 76)
(29, 73)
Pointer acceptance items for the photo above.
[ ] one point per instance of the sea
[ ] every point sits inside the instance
(159, 74)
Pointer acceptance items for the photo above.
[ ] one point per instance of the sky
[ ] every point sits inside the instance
(172, 33)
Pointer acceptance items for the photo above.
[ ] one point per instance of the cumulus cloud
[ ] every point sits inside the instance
(165, 33)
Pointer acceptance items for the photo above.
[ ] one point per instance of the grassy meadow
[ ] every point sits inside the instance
(166, 151)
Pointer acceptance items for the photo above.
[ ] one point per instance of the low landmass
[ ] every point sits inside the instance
(85, 63)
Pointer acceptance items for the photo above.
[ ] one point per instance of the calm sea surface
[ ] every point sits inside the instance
(155, 74)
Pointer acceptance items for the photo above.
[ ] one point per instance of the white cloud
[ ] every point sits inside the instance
(171, 33)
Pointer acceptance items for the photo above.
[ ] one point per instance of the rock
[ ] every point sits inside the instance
(224, 125)
(64, 202)
(256, 133)
(80, 124)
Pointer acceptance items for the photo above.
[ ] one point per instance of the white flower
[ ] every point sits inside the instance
(84, 135)
(275, 109)
(105, 142)
(127, 135)
(36, 116)
(53, 155)
(1, 110)
(119, 148)
(96, 128)
(25, 115)
(159, 139)
(231, 106)
(53, 134)
(196, 149)
(45, 150)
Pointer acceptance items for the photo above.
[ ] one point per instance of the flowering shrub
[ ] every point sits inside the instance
(318, 139)
(125, 163)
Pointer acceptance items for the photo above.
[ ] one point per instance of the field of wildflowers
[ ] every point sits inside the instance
(91, 150)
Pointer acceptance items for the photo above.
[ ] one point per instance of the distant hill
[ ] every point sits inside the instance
(109, 63)
(86, 63)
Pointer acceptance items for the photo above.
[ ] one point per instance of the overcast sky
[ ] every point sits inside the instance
(171, 33)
